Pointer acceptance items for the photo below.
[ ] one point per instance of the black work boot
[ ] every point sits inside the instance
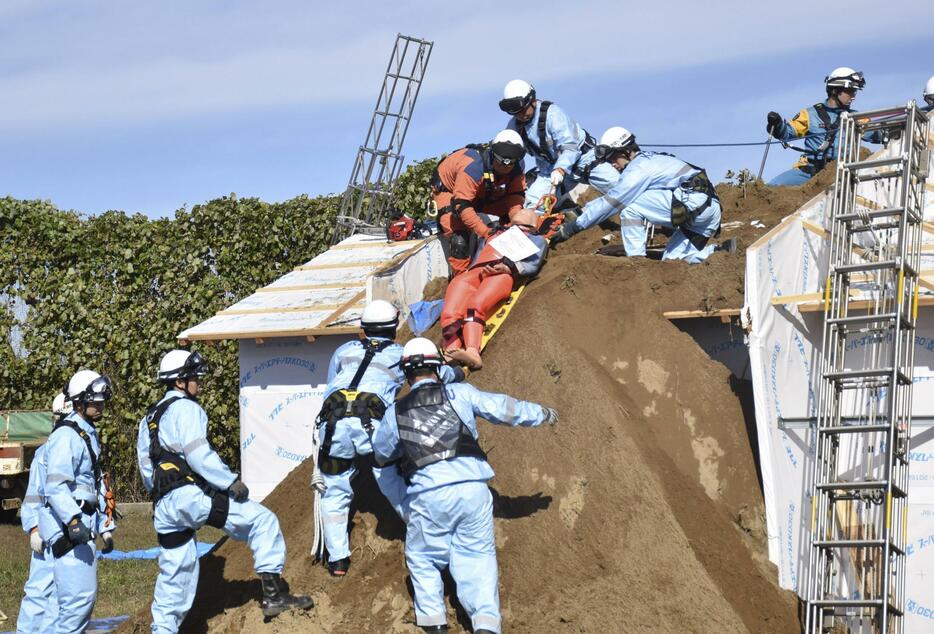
(340, 567)
(729, 246)
(483, 632)
(442, 629)
(276, 598)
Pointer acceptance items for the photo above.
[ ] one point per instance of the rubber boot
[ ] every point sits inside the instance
(435, 628)
(276, 598)
(340, 567)
(483, 632)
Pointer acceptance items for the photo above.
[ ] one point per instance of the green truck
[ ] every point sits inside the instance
(21, 433)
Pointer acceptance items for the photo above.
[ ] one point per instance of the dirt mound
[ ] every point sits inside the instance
(640, 512)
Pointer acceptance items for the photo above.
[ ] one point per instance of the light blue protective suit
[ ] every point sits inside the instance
(183, 430)
(39, 607)
(644, 191)
(382, 377)
(69, 482)
(566, 142)
(808, 125)
(451, 511)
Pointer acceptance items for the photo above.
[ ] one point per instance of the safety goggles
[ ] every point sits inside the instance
(100, 390)
(855, 81)
(504, 160)
(195, 366)
(929, 99)
(606, 152)
(514, 105)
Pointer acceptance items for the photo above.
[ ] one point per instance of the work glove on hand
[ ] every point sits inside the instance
(775, 124)
(78, 533)
(565, 231)
(551, 415)
(35, 542)
(108, 539)
(557, 177)
(317, 482)
(238, 491)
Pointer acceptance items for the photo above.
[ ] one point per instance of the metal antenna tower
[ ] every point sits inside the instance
(859, 488)
(365, 202)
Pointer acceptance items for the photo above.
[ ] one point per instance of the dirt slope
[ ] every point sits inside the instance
(639, 512)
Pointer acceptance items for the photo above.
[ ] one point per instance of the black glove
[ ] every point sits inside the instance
(78, 533)
(238, 491)
(551, 415)
(108, 539)
(564, 232)
(775, 124)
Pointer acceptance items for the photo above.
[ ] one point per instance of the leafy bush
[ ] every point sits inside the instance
(111, 292)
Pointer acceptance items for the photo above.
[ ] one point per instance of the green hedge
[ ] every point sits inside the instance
(111, 292)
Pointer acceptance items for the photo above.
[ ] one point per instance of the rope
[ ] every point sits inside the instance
(742, 144)
(318, 486)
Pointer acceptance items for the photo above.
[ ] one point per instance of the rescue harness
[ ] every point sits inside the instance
(541, 149)
(430, 430)
(487, 181)
(64, 545)
(171, 471)
(346, 403)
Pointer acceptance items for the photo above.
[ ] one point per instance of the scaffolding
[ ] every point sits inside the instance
(365, 203)
(859, 482)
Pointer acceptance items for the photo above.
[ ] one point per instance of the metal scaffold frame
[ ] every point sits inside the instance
(859, 484)
(365, 202)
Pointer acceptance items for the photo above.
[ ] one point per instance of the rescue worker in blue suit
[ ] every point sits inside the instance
(928, 96)
(659, 188)
(431, 436)
(190, 486)
(39, 607)
(368, 373)
(818, 125)
(562, 149)
(74, 494)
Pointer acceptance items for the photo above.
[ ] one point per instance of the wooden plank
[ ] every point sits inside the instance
(860, 304)
(303, 332)
(781, 300)
(345, 265)
(330, 319)
(399, 257)
(693, 314)
(310, 287)
(815, 228)
(927, 226)
(865, 202)
(272, 309)
(368, 245)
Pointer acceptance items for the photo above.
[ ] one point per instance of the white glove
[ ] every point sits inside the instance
(317, 482)
(557, 176)
(108, 539)
(35, 542)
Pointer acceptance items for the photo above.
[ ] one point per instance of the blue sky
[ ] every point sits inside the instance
(146, 107)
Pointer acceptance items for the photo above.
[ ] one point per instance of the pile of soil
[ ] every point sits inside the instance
(639, 512)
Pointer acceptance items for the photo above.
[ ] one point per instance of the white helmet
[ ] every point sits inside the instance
(517, 95)
(379, 316)
(507, 147)
(845, 77)
(613, 141)
(929, 91)
(87, 386)
(420, 353)
(61, 407)
(181, 364)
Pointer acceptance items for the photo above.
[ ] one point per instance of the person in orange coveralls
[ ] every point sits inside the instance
(477, 179)
(475, 295)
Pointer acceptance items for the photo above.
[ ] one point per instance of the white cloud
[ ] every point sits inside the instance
(100, 63)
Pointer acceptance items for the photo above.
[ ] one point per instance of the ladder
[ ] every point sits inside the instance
(859, 478)
(365, 203)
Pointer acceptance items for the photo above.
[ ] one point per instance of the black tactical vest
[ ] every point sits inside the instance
(431, 431)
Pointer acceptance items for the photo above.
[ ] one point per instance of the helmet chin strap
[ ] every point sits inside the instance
(185, 389)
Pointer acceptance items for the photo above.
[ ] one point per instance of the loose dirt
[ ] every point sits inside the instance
(639, 512)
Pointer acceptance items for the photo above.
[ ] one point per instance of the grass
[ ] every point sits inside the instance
(123, 587)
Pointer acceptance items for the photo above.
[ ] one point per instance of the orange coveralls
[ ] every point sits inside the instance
(466, 185)
(472, 297)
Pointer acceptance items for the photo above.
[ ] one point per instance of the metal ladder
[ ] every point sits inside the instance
(365, 202)
(859, 486)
